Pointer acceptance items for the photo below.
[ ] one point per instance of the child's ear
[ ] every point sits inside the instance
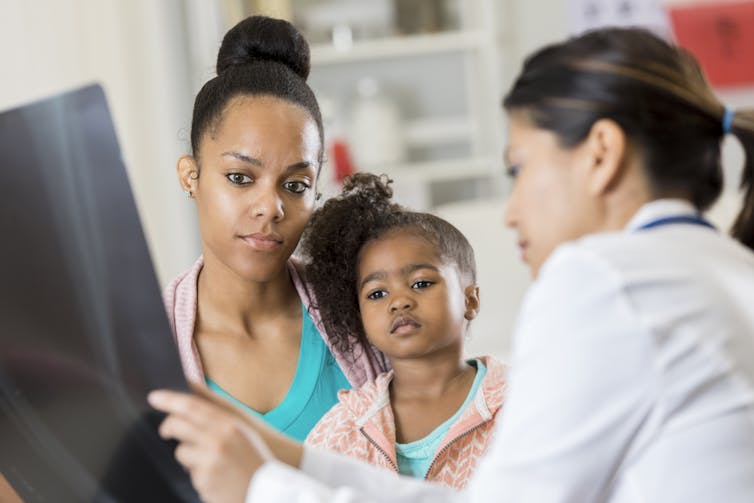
(472, 301)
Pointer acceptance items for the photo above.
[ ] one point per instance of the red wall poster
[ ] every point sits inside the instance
(721, 36)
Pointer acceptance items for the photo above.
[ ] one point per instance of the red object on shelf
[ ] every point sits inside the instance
(721, 36)
(341, 160)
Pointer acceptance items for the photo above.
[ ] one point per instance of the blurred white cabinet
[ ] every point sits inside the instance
(445, 84)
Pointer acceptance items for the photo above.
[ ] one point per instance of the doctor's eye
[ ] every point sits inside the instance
(513, 171)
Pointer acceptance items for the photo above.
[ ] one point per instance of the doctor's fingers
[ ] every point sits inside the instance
(199, 410)
(183, 429)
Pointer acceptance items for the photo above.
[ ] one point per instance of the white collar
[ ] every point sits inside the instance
(660, 208)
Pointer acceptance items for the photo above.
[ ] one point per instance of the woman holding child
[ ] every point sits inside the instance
(243, 316)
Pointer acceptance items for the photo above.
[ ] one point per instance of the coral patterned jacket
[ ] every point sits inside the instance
(362, 425)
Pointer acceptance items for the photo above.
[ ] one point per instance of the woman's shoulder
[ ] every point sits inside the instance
(181, 285)
(179, 298)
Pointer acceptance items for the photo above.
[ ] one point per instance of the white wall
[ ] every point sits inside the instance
(137, 50)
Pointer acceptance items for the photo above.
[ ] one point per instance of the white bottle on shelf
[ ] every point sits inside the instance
(376, 128)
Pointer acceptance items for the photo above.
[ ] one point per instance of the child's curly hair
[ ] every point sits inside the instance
(336, 234)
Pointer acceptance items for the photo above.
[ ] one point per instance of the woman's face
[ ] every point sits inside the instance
(255, 189)
(549, 204)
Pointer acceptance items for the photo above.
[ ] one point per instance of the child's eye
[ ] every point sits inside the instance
(238, 178)
(422, 284)
(377, 294)
(513, 170)
(297, 187)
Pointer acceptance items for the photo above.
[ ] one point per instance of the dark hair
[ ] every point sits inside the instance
(656, 93)
(338, 231)
(258, 56)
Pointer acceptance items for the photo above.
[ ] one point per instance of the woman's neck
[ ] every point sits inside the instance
(229, 303)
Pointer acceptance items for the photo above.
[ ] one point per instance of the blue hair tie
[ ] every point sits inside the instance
(728, 120)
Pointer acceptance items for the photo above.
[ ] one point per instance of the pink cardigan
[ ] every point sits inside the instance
(180, 302)
(362, 426)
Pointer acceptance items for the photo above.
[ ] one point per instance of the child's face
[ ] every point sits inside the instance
(413, 303)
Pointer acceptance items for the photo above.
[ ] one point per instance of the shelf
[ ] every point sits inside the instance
(423, 132)
(396, 47)
(437, 171)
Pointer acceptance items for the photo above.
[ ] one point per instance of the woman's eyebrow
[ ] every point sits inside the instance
(256, 162)
(243, 157)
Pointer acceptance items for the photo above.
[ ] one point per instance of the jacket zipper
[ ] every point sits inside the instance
(442, 451)
(381, 451)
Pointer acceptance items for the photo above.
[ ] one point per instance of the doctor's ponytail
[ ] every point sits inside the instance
(742, 127)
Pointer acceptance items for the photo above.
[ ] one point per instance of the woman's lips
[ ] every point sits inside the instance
(263, 242)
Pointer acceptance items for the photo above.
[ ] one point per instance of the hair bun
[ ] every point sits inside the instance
(264, 38)
(374, 189)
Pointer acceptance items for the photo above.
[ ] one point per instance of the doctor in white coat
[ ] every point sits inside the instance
(632, 375)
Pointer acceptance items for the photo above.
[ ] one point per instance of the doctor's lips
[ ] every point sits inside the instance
(522, 246)
(263, 241)
(404, 324)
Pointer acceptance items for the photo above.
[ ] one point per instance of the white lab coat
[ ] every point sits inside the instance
(632, 380)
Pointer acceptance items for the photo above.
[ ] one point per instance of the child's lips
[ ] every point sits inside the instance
(404, 324)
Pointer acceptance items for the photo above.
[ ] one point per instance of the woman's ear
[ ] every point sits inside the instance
(606, 148)
(188, 173)
(472, 301)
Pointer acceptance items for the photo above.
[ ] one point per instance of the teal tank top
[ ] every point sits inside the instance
(314, 389)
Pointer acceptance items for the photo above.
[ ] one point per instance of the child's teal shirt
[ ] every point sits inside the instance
(414, 459)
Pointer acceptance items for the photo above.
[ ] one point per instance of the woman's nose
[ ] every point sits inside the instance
(267, 203)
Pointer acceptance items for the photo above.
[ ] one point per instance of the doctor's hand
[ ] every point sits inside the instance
(218, 444)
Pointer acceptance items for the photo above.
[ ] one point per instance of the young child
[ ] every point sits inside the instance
(405, 282)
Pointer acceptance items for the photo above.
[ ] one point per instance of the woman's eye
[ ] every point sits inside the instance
(377, 294)
(296, 187)
(421, 284)
(238, 178)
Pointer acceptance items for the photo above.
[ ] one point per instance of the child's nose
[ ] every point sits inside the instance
(401, 303)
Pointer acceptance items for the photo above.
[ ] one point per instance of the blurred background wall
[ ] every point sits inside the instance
(411, 88)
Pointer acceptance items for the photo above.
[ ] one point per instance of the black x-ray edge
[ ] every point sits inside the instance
(83, 333)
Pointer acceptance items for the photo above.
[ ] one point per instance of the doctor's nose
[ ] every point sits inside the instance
(510, 218)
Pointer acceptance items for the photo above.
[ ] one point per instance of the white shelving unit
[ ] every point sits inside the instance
(400, 47)
(446, 85)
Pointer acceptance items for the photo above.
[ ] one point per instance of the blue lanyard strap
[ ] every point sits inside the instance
(678, 219)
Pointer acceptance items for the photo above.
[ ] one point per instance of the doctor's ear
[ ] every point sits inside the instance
(472, 302)
(606, 148)
(188, 173)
